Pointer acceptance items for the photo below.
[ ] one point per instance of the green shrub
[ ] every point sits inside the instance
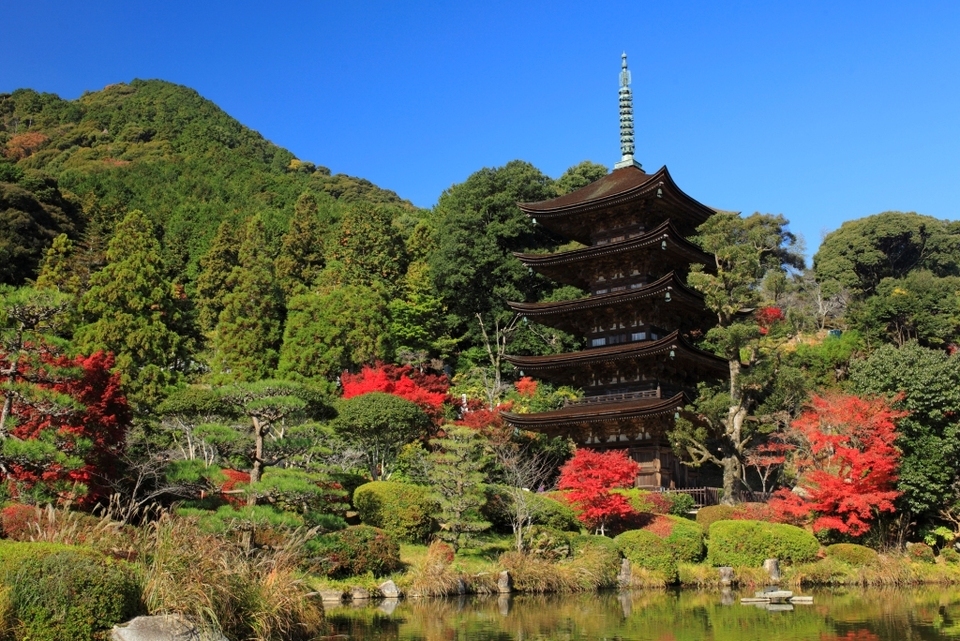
(748, 543)
(645, 501)
(646, 550)
(57, 592)
(921, 553)
(710, 514)
(852, 554)
(597, 559)
(680, 503)
(949, 555)
(355, 550)
(403, 510)
(546, 543)
(544, 510)
(683, 536)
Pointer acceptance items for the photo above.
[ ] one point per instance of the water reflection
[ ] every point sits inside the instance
(836, 615)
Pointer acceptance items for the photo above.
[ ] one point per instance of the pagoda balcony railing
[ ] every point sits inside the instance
(620, 397)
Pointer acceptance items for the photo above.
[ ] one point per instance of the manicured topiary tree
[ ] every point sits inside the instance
(749, 543)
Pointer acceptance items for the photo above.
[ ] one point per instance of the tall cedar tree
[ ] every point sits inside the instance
(367, 250)
(72, 453)
(589, 478)
(340, 328)
(249, 328)
(745, 250)
(301, 257)
(132, 310)
(456, 478)
(215, 269)
(846, 464)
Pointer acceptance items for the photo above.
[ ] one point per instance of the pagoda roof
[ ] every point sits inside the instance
(679, 292)
(556, 266)
(619, 187)
(638, 350)
(598, 412)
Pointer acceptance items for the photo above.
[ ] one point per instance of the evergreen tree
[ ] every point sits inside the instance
(215, 268)
(367, 249)
(131, 310)
(301, 249)
(248, 332)
(456, 476)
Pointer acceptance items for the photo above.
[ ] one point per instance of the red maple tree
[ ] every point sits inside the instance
(846, 464)
(93, 430)
(589, 476)
(767, 317)
(429, 391)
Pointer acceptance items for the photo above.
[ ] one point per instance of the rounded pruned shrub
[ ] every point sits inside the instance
(949, 555)
(402, 509)
(62, 593)
(852, 554)
(683, 536)
(921, 553)
(748, 543)
(544, 510)
(355, 550)
(645, 501)
(646, 550)
(710, 514)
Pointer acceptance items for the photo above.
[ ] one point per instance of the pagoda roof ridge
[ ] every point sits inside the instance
(663, 231)
(668, 282)
(619, 186)
(672, 341)
(600, 412)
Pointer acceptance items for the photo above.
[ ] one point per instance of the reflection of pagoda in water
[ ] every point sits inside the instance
(638, 367)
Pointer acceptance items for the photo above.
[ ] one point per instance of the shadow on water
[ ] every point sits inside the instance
(921, 614)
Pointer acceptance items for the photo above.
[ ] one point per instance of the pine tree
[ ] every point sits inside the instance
(456, 475)
(301, 249)
(215, 268)
(248, 331)
(368, 249)
(131, 310)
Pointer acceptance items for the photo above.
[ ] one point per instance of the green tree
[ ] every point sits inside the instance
(479, 227)
(457, 480)
(745, 250)
(367, 249)
(925, 383)
(919, 306)
(339, 329)
(248, 331)
(379, 425)
(301, 256)
(132, 311)
(416, 318)
(215, 269)
(579, 176)
(889, 245)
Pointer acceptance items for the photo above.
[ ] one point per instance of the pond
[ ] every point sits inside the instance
(682, 615)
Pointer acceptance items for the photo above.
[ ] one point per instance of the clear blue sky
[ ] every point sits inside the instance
(821, 111)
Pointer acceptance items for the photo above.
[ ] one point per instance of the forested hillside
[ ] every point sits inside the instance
(210, 305)
(154, 146)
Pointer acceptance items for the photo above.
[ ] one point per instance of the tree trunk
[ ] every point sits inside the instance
(257, 471)
(732, 467)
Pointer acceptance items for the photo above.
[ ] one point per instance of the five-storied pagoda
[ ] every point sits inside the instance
(638, 368)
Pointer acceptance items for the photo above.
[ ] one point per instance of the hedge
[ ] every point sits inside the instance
(748, 543)
(646, 550)
(683, 536)
(544, 510)
(64, 593)
(354, 550)
(402, 509)
(852, 554)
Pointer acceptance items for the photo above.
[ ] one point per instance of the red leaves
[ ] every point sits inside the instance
(429, 391)
(589, 476)
(767, 317)
(846, 465)
(526, 387)
(96, 431)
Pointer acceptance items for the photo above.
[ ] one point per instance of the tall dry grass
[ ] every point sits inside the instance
(258, 596)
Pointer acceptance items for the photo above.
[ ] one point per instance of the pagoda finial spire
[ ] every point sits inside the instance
(626, 118)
